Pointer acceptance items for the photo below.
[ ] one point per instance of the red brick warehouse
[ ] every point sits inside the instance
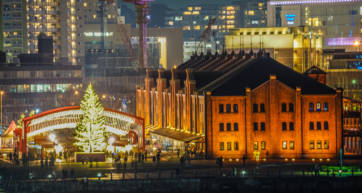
(238, 104)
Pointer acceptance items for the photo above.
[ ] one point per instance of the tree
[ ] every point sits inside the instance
(90, 133)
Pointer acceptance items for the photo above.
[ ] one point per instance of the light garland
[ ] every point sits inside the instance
(122, 129)
(300, 2)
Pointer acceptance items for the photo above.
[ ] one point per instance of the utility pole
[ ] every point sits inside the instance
(142, 20)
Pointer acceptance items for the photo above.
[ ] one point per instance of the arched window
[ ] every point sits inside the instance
(319, 107)
(284, 107)
(325, 107)
(291, 107)
(311, 107)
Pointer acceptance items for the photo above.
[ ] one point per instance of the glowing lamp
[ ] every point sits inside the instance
(52, 137)
(313, 160)
(58, 148)
(230, 160)
(356, 43)
(111, 140)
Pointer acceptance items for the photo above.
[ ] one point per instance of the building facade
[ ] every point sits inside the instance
(296, 47)
(344, 70)
(243, 104)
(352, 127)
(13, 28)
(339, 20)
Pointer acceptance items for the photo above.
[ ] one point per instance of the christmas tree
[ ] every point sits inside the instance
(90, 133)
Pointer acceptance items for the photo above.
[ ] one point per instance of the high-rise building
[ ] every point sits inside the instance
(253, 13)
(339, 20)
(12, 28)
(43, 17)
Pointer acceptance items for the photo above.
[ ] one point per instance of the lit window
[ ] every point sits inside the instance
(325, 107)
(326, 126)
(221, 127)
(255, 126)
(221, 144)
(228, 144)
(284, 145)
(255, 145)
(291, 144)
(311, 107)
(326, 145)
(319, 144)
(263, 146)
(186, 28)
(311, 126)
(236, 127)
(228, 126)
(284, 107)
(251, 12)
(187, 13)
(262, 126)
(236, 145)
(284, 126)
(318, 106)
(311, 145)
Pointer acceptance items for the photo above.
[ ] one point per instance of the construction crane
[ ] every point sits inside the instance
(205, 37)
(142, 20)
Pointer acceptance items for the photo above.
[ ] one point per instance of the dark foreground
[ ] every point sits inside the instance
(292, 184)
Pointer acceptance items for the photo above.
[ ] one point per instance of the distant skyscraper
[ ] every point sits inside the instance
(43, 17)
(12, 27)
(253, 13)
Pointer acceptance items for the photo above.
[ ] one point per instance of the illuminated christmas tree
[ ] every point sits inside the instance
(90, 133)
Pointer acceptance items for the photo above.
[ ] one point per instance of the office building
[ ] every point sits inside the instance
(297, 47)
(339, 20)
(344, 70)
(12, 28)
